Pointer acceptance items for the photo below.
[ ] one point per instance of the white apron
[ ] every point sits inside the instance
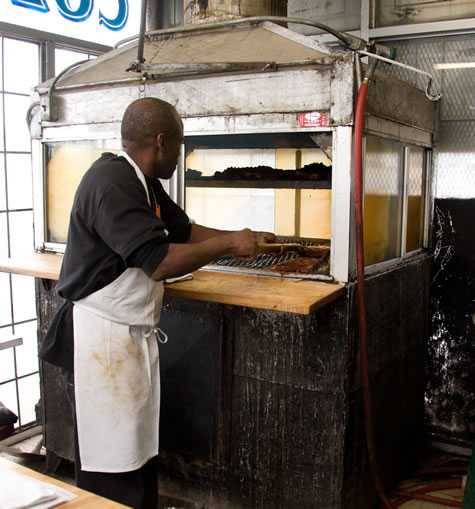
(116, 372)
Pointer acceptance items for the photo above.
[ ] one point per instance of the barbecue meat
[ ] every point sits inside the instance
(314, 171)
(300, 265)
(303, 264)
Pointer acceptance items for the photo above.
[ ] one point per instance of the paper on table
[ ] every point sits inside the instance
(18, 491)
(186, 277)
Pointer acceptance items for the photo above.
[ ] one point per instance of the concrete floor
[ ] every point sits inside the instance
(66, 473)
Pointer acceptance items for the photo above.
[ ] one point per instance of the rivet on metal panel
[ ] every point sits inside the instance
(142, 88)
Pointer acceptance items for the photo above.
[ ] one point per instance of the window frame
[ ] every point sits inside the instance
(403, 189)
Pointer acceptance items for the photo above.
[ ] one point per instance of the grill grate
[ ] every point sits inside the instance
(261, 261)
(264, 261)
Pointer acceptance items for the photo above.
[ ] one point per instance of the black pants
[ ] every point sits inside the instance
(137, 489)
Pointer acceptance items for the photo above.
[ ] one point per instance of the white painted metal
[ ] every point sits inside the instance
(430, 186)
(293, 90)
(441, 27)
(405, 200)
(39, 195)
(304, 40)
(385, 128)
(365, 19)
(246, 124)
(341, 203)
(180, 176)
(10, 343)
(78, 132)
(54, 247)
(388, 265)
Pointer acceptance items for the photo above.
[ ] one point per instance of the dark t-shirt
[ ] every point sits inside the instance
(112, 227)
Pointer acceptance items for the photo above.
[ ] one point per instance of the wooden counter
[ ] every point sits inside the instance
(261, 292)
(83, 500)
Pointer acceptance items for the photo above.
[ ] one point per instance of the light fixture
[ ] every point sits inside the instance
(455, 65)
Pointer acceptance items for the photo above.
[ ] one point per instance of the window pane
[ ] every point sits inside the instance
(64, 58)
(19, 175)
(7, 367)
(8, 397)
(2, 144)
(29, 390)
(21, 66)
(3, 202)
(382, 207)
(24, 307)
(1, 60)
(67, 163)
(403, 12)
(3, 235)
(21, 233)
(27, 354)
(17, 134)
(415, 202)
(5, 301)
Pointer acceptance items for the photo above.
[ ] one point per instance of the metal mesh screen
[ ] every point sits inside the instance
(454, 152)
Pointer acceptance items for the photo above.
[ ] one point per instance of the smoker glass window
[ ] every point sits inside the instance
(415, 198)
(67, 162)
(383, 199)
(403, 12)
(261, 201)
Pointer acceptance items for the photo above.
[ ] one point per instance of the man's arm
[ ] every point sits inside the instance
(184, 258)
(201, 233)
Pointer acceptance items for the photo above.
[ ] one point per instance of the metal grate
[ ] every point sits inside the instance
(263, 263)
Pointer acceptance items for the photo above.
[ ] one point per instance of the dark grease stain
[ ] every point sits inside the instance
(450, 391)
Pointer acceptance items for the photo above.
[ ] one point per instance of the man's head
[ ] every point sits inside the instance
(152, 133)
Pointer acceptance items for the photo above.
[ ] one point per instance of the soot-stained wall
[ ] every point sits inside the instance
(450, 391)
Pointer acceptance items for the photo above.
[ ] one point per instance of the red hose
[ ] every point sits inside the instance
(360, 291)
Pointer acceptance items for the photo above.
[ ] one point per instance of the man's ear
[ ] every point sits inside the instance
(160, 140)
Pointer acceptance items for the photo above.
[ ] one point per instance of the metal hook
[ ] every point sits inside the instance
(162, 336)
(432, 96)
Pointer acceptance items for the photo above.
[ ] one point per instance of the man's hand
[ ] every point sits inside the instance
(264, 237)
(243, 243)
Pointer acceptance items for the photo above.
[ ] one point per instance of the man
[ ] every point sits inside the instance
(126, 236)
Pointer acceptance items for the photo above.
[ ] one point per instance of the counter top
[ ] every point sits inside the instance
(261, 292)
(83, 500)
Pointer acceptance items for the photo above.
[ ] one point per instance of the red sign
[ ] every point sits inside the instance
(313, 119)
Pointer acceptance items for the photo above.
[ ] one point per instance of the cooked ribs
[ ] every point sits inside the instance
(303, 264)
(314, 171)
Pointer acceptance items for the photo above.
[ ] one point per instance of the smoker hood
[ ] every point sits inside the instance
(251, 47)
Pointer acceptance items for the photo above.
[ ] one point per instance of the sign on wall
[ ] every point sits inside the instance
(99, 21)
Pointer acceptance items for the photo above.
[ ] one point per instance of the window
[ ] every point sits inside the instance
(19, 73)
(404, 12)
(394, 200)
(63, 58)
(286, 207)
(383, 200)
(415, 198)
(67, 163)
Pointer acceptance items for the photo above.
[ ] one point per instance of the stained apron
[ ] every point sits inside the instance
(116, 371)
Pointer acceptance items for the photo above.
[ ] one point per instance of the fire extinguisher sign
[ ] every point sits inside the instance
(313, 119)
